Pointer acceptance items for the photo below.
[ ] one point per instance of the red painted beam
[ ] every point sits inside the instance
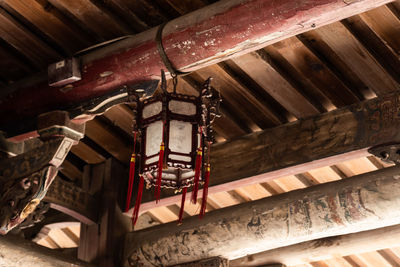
(207, 36)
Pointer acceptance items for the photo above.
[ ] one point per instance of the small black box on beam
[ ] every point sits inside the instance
(64, 72)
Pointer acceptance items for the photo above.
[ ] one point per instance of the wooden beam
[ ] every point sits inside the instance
(213, 262)
(297, 147)
(365, 202)
(72, 200)
(16, 251)
(326, 248)
(210, 35)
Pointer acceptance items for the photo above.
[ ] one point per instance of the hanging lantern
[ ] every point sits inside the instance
(176, 134)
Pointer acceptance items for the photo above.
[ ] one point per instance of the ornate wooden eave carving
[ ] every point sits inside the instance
(25, 178)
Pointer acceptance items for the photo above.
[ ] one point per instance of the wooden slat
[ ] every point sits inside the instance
(22, 40)
(92, 17)
(163, 214)
(385, 23)
(71, 171)
(122, 117)
(376, 46)
(350, 51)
(128, 15)
(149, 13)
(234, 93)
(87, 154)
(268, 78)
(334, 91)
(356, 166)
(61, 239)
(390, 257)
(373, 259)
(289, 183)
(109, 140)
(324, 175)
(235, 117)
(49, 24)
(326, 55)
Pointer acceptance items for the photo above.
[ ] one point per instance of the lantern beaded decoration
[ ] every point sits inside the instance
(176, 132)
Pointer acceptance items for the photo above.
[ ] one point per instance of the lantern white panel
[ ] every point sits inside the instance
(182, 107)
(180, 136)
(179, 157)
(153, 138)
(152, 109)
(152, 160)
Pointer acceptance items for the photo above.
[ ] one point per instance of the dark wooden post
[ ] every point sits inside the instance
(99, 243)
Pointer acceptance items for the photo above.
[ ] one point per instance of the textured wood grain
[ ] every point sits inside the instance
(362, 203)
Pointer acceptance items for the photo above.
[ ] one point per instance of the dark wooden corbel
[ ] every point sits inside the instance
(28, 168)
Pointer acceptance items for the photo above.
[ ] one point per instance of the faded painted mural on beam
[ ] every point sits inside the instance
(275, 222)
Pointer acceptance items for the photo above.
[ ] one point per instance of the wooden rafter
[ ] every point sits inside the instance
(257, 24)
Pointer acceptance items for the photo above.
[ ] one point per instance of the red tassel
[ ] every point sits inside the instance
(130, 184)
(135, 214)
(197, 175)
(131, 175)
(184, 190)
(205, 192)
(159, 174)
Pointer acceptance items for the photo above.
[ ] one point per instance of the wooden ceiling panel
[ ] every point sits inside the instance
(334, 93)
(350, 51)
(25, 42)
(91, 16)
(48, 23)
(237, 95)
(386, 24)
(356, 167)
(268, 78)
(111, 141)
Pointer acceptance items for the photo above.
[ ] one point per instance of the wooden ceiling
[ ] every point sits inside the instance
(318, 71)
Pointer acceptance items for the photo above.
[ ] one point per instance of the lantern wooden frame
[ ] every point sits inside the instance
(172, 167)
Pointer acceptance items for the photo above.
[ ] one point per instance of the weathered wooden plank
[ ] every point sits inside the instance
(299, 146)
(362, 203)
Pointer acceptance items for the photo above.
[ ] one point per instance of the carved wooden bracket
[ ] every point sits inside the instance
(28, 168)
